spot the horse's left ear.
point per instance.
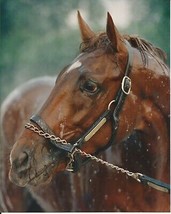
(113, 34)
(86, 32)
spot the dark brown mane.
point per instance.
(101, 41)
(145, 46)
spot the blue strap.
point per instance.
(156, 184)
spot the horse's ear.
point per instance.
(113, 34)
(86, 32)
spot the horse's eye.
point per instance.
(89, 86)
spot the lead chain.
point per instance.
(92, 157)
(44, 134)
(117, 168)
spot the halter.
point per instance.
(70, 148)
(107, 115)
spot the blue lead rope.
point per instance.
(156, 184)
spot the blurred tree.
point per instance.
(153, 23)
(36, 39)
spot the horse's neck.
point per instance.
(153, 85)
(150, 109)
(153, 82)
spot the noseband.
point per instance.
(123, 91)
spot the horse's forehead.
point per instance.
(74, 65)
(82, 59)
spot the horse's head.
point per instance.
(82, 94)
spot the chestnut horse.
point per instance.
(15, 111)
(111, 101)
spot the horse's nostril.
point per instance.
(22, 162)
(23, 158)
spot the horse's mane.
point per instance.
(145, 46)
(101, 41)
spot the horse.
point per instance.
(16, 107)
(100, 142)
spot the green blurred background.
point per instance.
(39, 37)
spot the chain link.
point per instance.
(45, 134)
(117, 168)
(92, 157)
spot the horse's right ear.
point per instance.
(86, 32)
(113, 34)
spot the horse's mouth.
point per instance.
(33, 176)
(30, 176)
(41, 177)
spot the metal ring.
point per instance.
(126, 80)
(111, 102)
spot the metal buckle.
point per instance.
(70, 166)
(126, 85)
(111, 102)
